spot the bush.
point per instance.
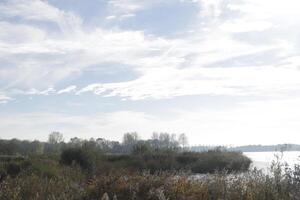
(45, 168)
(211, 161)
(13, 169)
(84, 158)
(205, 162)
(3, 174)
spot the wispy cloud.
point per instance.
(69, 89)
(36, 10)
(168, 67)
(4, 98)
(34, 91)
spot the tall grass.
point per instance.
(38, 182)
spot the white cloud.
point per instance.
(125, 16)
(167, 67)
(163, 83)
(4, 98)
(128, 6)
(34, 91)
(37, 10)
(210, 8)
(69, 89)
(122, 9)
(111, 17)
(30, 62)
(268, 8)
(242, 26)
(18, 34)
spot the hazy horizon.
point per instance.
(220, 71)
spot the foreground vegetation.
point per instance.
(39, 178)
(157, 169)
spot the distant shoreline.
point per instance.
(250, 148)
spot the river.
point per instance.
(263, 160)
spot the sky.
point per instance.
(224, 72)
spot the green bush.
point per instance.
(211, 161)
(45, 168)
(205, 162)
(13, 169)
(84, 158)
(3, 174)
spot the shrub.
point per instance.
(84, 158)
(211, 161)
(205, 162)
(3, 174)
(45, 168)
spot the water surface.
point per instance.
(263, 160)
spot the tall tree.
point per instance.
(183, 140)
(130, 138)
(55, 137)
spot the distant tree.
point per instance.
(183, 140)
(55, 137)
(90, 144)
(75, 142)
(103, 144)
(12, 147)
(141, 148)
(173, 141)
(165, 140)
(155, 136)
(37, 147)
(130, 138)
(115, 147)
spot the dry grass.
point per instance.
(44, 178)
(73, 184)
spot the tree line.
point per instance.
(131, 142)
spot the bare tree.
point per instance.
(183, 140)
(55, 137)
(155, 136)
(130, 138)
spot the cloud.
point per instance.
(121, 9)
(37, 10)
(242, 26)
(191, 64)
(18, 34)
(30, 63)
(110, 17)
(210, 9)
(169, 83)
(69, 89)
(34, 91)
(129, 6)
(4, 98)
